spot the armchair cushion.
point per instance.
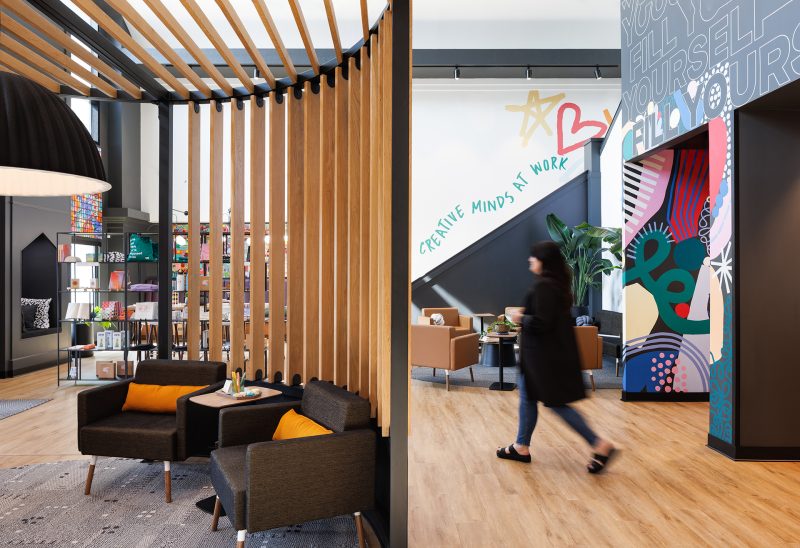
(155, 398)
(143, 435)
(170, 372)
(251, 423)
(293, 425)
(334, 407)
(230, 482)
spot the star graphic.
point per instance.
(533, 108)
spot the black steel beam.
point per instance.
(164, 230)
(401, 275)
(69, 20)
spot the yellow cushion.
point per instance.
(293, 425)
(154, 398)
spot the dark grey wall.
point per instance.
(742, 49)
(768, 231)
(493, 272)
(29, 217)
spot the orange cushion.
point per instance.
(293, 425)
(154, 398)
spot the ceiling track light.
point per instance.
(529, 73)
(597, 74)
(457, 73)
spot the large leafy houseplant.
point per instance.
(583, 247)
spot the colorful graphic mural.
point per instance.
(667, 273)
(86, 213)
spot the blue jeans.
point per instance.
(529, 414)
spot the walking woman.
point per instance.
(550, 368)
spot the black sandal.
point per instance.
(600, 462)
(511, 454)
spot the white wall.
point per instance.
(611, 208)
(149, 156)
(467, 147)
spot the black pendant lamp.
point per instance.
(45, 149)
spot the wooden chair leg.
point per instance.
(90, 476)
(215, 515)
(447, 380)
(591, 378)
(471, 375)
(360, 530)
(616, 367)
(240, 536)
(167, 482)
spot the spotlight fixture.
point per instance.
(597, 74)
(457, 73)
(45, 149)
(529, 73)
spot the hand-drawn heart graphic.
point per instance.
(577, 126)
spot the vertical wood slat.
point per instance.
(354, 324)
(237, 236)
(296, 239)
(193, 266)
(277, 245)
(255, 369)
(215, 236)
(311, 264)
(364, 305)
(341, 223)
(374, 197)
(386, 257)
(326, 223)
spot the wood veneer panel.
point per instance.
(305, 35)
(296, 237)
(41, 64)
(354, 325)
(256, 366)
(327, 235)
(193, 335)
(366, 148)
(341, 225)
(384, 389)
(374, 220)
(277, 245)
(311, 265)
(277, 41)
(215, 235)
(237, 236)
(24, 69)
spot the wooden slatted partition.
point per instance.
(277, 245)
(237, 236)
(374, 195)
(296, 239)
(386, 223)
(341, 224)
(193, 275)
(353, 324)
(215, 235)
(311, 263)
(366, 148)
(326, 223)
(256, 365)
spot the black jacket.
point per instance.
(549, 358)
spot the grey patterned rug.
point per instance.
(9, 408)
(44, 504)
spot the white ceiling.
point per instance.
(437, 23)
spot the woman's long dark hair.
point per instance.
(554, 267)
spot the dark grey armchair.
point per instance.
(104, 430)
(263, 484)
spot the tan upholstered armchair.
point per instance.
(462, 324)
(444, 346)
(590, 349)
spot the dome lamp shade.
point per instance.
(45, 150)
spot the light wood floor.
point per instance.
(667, 487)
